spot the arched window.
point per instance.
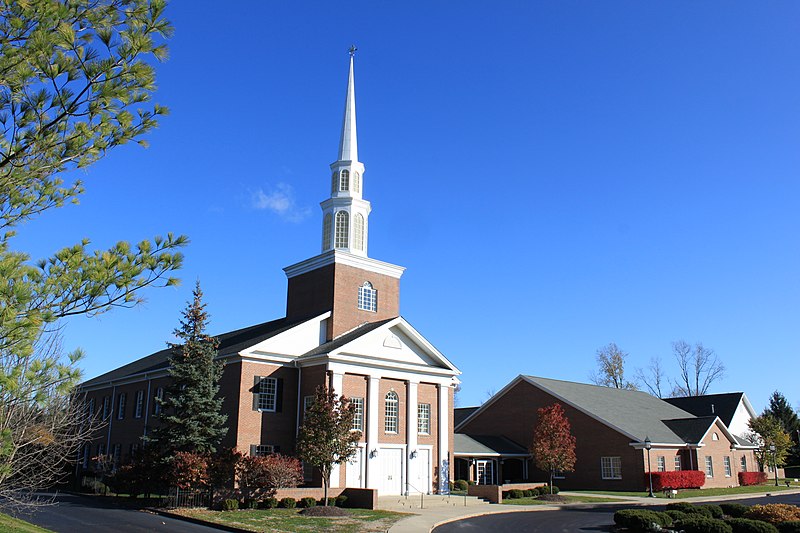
(356, 182)
(392, 408)
(358, 231)
(326, 233)
(334, 182)
(344, 182)
(367, 297)
(342, 229)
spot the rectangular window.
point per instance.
(726, 461)
(358, 420)
(424, 418)
(262, 450)
(91, 407)
(662, 463)
(101, 450)
(367, 298)
(117, 452)
(709, 466)
(156, 401)
(308, 471)
(132, 450)
(267, 394)
(307, 401)
(611, 467)
(121, 405)
(139, 404)
(678, 463)
(106, 407)
(558, 474)
(87, 451)
(743, 463)
(392, 410)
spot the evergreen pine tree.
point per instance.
(191, 417)
(780, 409)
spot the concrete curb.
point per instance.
(199, 522)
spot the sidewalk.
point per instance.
(426, 519)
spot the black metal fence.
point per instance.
(188, 498)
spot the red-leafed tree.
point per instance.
(553, 446)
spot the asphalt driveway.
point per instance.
(71, 513)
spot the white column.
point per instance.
(337, 384)
(411, 437)
(373, 408)
(444, 432)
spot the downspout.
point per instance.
(299, 406)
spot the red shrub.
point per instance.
(189, 470)
(681, 479)
(260, 477)
(752, 478)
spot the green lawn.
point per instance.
(14, 525)
(697, 493)
(290, 520)
(570, 499)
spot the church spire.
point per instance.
(345, 213)
(348, 143)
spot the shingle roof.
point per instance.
(343, 339)
(488, 445)
(721, 405)
(634, 413)
(230, 342)
(461, 413)
(691, 429)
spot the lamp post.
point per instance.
(774, 462)
(647, 445)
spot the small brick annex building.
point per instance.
(610, 427)
(342, 329)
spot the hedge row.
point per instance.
(680, 479)
(752, 478)
(688, 518)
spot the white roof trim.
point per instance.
(343, 258)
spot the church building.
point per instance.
(343, 330)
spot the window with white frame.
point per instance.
(342, 229)
(743, 463)
(558, 474)
(262, 450)
(358, 232)
(662, 463)
(392, 410)
(134, 448)
(356, 182)
(139, 404)
(106, 407)
(726, 462)
(121, 405)
(358, 419)
(91, 407)
(678, 463)
(267, 394)
(117, 452)
(326, 232)
(611, 467)
(307, 401)
(709, 466)
(308, 471)
(87, 452)
(367, 297)
(424, 418)
(344, 182)
(157, 400)
(334, 182)
(714, 436)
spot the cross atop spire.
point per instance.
(348, 143)
(352, 50)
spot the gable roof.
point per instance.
(486, 445)
(462, 413)
(347, 337)
(721, 405)
(230, 343)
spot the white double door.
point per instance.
(421, 472)
(390, 471)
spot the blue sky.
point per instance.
(554, 175)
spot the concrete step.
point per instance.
(427, 501)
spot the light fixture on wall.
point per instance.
(374, 453)
(414, 454)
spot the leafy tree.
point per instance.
(780, 409)
(553, 446)
(611, 368)
(326, 437)
(698, 368)
(75, 82)
(261, 477)
(191, 417)
(766, 431)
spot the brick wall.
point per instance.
(346, 314)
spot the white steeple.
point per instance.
(345, 213)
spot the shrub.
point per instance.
(715, 510)
(230, 504)
(288, 503)
(250, 503)
(189, 470)
(774, 513)
(684, 507)
(792, 526)
(752, 478)
(680, 479)
(269, 503)
(506, 494)
(470, 482)
(308, 501)
(515, 493)
(745, 525)
(341, 500)
(702, 524)
(460, 484)
(676, 515)
(331, 501)
(556, 490)
(734, 510)
(641, 519)
(261, 476)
